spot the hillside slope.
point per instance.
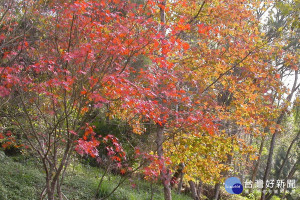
(22, 179)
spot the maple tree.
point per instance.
(77, 63)
(236, 81)
(200, 72)
(221, 85)
(199, 77)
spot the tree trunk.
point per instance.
(58, 189)
(53, 174)
(50, 194)
(164, 172)
(49, 191)
(272, 145)
(269, 163)
(167, 192)
(193, 190)
(180, 183)
(287, 154)
(199, 192)
(294, 169)
(283, 163)
(291, 174)
(255, 170)
(217, 191)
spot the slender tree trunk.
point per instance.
(199, 189)
(43, 193)
(269, 163)
(283, 163)
(291, 174)
(255, 170)
(102, 177)
(287, 154)
(164, 172)
(294, 169)
(243, 168)
(180, 183)
(272, 145)
(193, 190)
(167, 192)
(58, 189)
(50, 194)
(49, 191)
(217, 191)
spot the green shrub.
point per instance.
(275, 198)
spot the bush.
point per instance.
(275, 198)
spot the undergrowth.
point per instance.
(21, 178)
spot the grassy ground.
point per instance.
(22, 179)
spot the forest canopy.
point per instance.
(183, 93)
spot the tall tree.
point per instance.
(282, 30)
(78, 63)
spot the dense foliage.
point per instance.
(178, 92)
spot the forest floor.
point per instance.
(21, 178)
